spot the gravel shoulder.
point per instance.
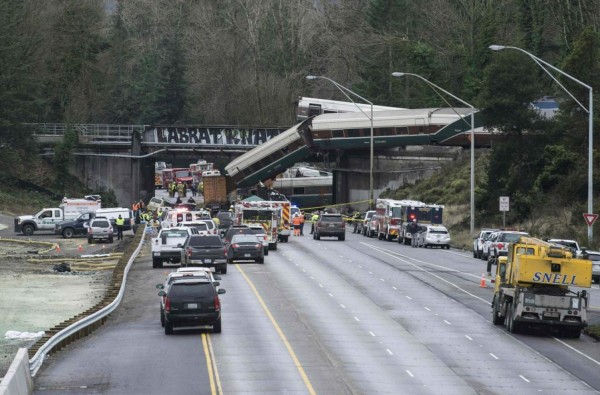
(36, 297)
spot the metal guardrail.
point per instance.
(80, 328)
(88, 133)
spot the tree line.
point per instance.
(244, 62)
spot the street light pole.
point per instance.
(472, 190)
(345, 91)
(589, 110)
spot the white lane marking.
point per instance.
(342, 306)
(297, 264)
(493, 356)
(304, 270)
(321, 285)
(312, 278)
(382, 279)
(577, 351)
(427, 308)
(447, 322)
(357, 319)
(410, 373)
(341, 256)
(360, 266)
(371, 333)
(394, 288)
(402, 258)
(524, 378)
(370, 272)
(330, 294)
(408, 297)
(389, 351)
(350, 260)
(469, 337)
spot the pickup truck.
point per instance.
(205, 251)
(167, 246)
(78, 226)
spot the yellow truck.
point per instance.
(539, 284)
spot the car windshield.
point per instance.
(370, 214)
(244, 239)
(204, 241)
(200, 226)
(191, 290)
(511, 237)
(331, 218)
(175, 233)
(183, 275)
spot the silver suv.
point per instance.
(499, 246)
(100, 229)
(479, 241)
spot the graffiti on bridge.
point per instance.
(213, 136)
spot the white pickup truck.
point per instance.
(47, 218)
(166, 247)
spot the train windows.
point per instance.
(336, 134)
(314, 109)
(298, 191)
(354, 133)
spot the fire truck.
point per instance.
(176, 174)
(196, 169)
(269, 215)
(424, 214)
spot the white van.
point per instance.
(173, 217)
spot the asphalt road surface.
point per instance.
(362, 316)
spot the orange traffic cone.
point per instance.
(79, 248)
(57, 248)
(482, 282)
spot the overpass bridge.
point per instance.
(121, 157)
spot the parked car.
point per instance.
(259, 231)
(191, 301)
(594, 256)
(200, 226)
(330, 225)
(205, 251)
(434, 236)
(479, 240)
(362, 225)
(571, 244)
(499, 247)
(486, 244)
(100, 229)
(245, 247)
(78, 226)
(184, 273)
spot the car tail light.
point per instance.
(167, 304)
(500, 245)
(225, 251)
(217, 303)
(89, 231)
(343, 225)
(189, 252)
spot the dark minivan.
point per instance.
(192, 301)
(330, 225)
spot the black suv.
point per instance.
(192, 301)
(205, 251)
(225, 220)
(330, 225)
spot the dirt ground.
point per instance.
(36, 297)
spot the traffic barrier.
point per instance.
(482, 282)
(18, 380)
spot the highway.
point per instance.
(361, 316)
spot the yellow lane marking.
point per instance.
(288, 346)
(209, 364)
(214, 362)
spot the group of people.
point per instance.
(179, 188)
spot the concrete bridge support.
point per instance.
(391, 170)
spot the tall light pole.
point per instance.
(589, 110)
(345, 91)
(434, 86)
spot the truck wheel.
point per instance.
(342, 238)
(497, 319)
(223, 269)
(275, 247)
(513, 325)
(90, 240)
(260, 260)
(28, 230)
(68, 233)
(317, 236)
(110, 240)
(474, 254)
(266, 251)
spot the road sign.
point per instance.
(504, 203)
(590, 218)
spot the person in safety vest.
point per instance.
(120, 222)
(301, 216)
(313, 219)
(296, 223)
